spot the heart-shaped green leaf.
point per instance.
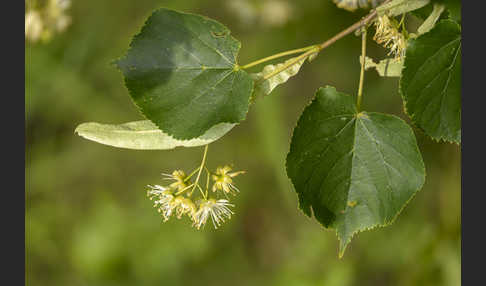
(144, 135)
(354, 171)
(181, 71)
(431, 81)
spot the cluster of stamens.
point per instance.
(389, 36)
(183, 197)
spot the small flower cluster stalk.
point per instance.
(180, 198)
(389, 35)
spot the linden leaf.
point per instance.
(423, 12)
(181, 71)
(388, 67)
(354, 171)
(265, 87)
(430, 21)
(431, 81)
(144, 135)
(352, 5)
(398, 7)
(454, 8)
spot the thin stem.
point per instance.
(326, 44)
(361, 23)
(402, 21)
(279, 55)
(291, 63)
(361, 75)
(183, 190)
(317, 48)
(191, 174)
(202, 192)
(208, 174)
(200, 169)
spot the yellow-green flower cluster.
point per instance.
(44, 18)
(223, 180)
(180, 197)
(388, 35)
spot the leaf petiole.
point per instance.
(361, 75)
(276, 56)
(316, 48)
(292, 62)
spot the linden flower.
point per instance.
(389, 37)
(218, 210)
(184, 206)
(165, 203)
(179, 177)
(33, 26)
(155, 191)
(222, 180)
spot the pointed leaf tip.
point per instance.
(180, 71)
(356, 171)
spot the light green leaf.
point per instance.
(144, 135)
(431, 81)
(352, 5)
(353, 171)
(181, 71)
(454, 8)
(265, 87)
(387, 67)
(423, 12)
(429, 23)
(398, 7)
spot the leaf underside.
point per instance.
(387, 68)
(354, 171)
(398, 7)
(181, 71)
(265, 87)
(430, 21)
(144, 135)
(431, 81)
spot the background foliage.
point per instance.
(88, 221)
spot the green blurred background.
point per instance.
(88, 220)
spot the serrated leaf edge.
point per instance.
(412, 118)
(236, 69)
(378, 225)
(312, 217)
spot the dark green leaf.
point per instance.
(354, 171)
(181, 71)
(431, 81)
(144, 135)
